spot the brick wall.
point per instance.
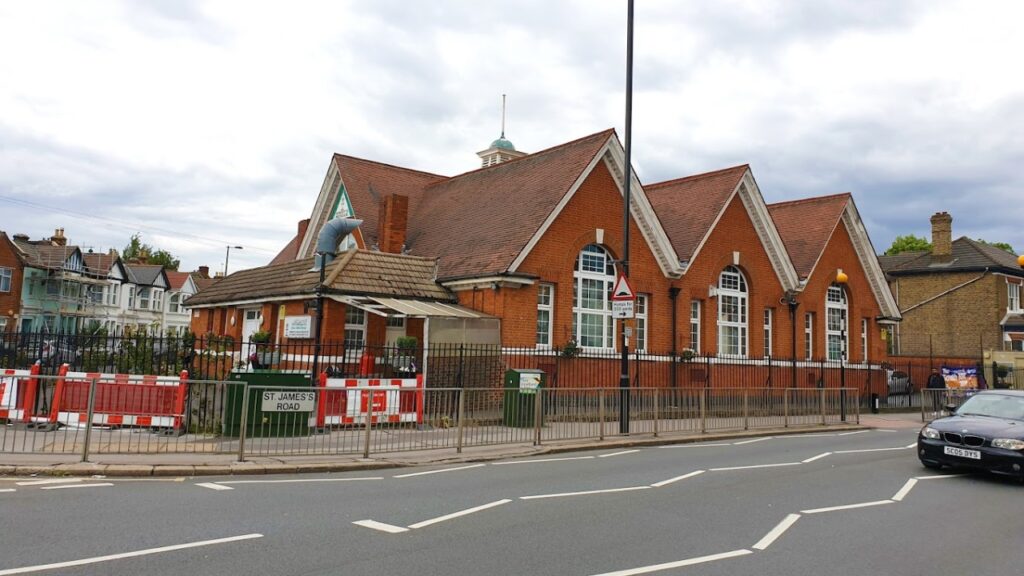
(961, 323)
(10, 302)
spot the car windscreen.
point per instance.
(994, 405)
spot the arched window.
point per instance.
(732, 312)
(836, 310)
(593, 280)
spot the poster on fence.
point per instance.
(8, 391)
(960, 378)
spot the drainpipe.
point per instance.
(789, 299)
(673, 293)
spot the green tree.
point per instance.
(1000, 245)
(139, 251)
(908, 243)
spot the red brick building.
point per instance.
(535, 240)
(11, 271)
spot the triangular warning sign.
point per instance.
(622, 290)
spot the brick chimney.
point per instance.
(394, 217)
(21, 237)
(942, 236)
(303, 226)
(204, 271)
(58, 238)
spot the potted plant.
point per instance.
(266, 356)
(405, 357)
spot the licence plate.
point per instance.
(954, 451)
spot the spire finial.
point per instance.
(502, 115)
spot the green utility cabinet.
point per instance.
(522, 392)
(288, 414)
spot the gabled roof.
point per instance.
(355, 272)
(477, 223)
(806, 226)
(44, 255)
(176, 280)
(146, 274)
(689, 207)
(967, 255)
(99, 264)
(366, 184)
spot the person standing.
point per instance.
(935, 383)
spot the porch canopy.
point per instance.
(444, 323)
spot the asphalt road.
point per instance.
(831, 504)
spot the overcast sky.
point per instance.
(207, 123)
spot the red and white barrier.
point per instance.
(121, 399)
(18, 393)
(383, 400)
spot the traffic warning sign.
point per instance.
(622, 290)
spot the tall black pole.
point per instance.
(319, 318)
(624, 373)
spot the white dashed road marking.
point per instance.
(865, 450)
(300, 480)
(676, 479)
(438, 471)
(618, 453)
(585, 493)
(62, 486)
(214, 486)
(774, 534)
(679, 564)
(813, 458)
(756, 466)
(8, 489)
(852, 433)
(751, 441)
(374, 525)
(694, 446)
(847, 507)
(458, 514)
(905, 490)
(146, 552)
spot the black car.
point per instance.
(986, 432)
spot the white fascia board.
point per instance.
(643, 213)
(557, 210)
(869, 261)
(640, 209)
(318, 208)
(764, 226)
(251, 301)
(486, 281)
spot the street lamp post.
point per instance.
(624, 361)
(319, 317)
(227, 255)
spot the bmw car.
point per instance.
(986, 433)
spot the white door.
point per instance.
(251, 323)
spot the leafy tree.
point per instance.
(137, 250)
(1000, 245)
(908, 243)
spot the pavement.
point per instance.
(189, 465)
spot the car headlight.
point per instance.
(1008, 443)
(930, 433)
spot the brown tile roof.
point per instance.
(688, 207)
(98, 264)
(176, 279)
(806, 225)
(967, 255)
(356, 272)
(478, 222)
(43, 254)
(202, 283)
(367, 183)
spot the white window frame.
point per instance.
(131, 297)
(733, 292)
(695, 326)
(837, 324)
(545, 314)
(769, 321)
(174, 303)
(115, 291)
(603, 282)
(865, 325)
(6, 278)
(641, 315)
(1012, 297)
(809, 336)
(145, 297)
(158, 299)
(355, 330)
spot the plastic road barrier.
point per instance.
(15, 384)
(121, 399)
(388, 400)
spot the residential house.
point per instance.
(181, 286)
(55, 288)
(960, 299)
(107, 299)
(11, 270)
(143, 303)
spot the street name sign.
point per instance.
(287, 401)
